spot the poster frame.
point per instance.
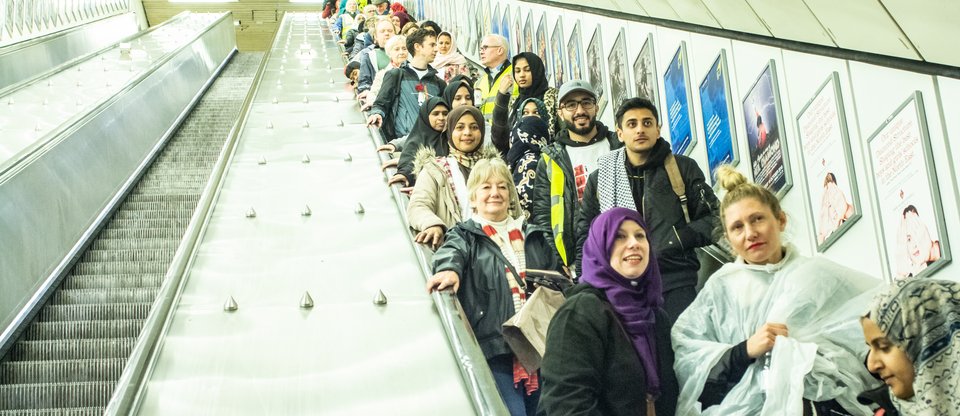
(832, 80)
(595, 58)
(681, 56)
(619, 48)
(932, 184)
(721, 61)
(771, 67)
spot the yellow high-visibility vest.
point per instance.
(487, 92)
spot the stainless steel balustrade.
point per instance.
(56, 197)
(23, 61)
(284, 222)
(35, 113)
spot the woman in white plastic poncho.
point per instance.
(774, 333)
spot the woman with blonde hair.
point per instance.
(772, 333)
(396, 49)
(484, 260)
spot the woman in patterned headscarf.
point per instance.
(526, 139)
(913, 330)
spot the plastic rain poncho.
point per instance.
(823, 358)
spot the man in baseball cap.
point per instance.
(569, 159)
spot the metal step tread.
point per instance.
(72, 349)
(59, 371)
(94, 312)
(50, 395)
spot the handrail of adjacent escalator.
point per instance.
(35, 150)
(131, 380)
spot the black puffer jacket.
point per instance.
(673, 239)
(541, 201)
(484, 293)
(590, 366)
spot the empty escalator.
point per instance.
(68, 360)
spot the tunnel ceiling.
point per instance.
(914, 29)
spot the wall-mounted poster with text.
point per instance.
(596, 71)
(645, 74)
(676, 85)
(619, 76)
(828, 164)
(574, 54)
(717, 109)
(542, 48)
(908, 202)
(768, 147)
(557, 65)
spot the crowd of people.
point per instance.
(614, 210)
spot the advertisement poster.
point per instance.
(557, 53)
(909, 208)
(505, 27)
(617, 60)
(645, 73)
(528, 33)
(676, 85)
(828, 164)
(495, 22)
(574, 54)
(517, 33)
(768, 148)
(471, 29)
(483, 21)
(595, 64)
(716, 109)
(542, 47)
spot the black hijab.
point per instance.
(539, 72)
(422, 135)
(454, 85)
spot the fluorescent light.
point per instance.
(202, 1)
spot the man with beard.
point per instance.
(564, 166)
(637, 177)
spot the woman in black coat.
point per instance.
(608, 348)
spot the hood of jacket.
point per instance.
(603, 133)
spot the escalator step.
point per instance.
(76, 411)
(145, 244)
(86, 312)
(163, 198)
(152, 214)
(128, 255)
(47, 395)
(113, 281)
(170, 206)
(133, 233)
(34, 372)
(84, 330)
(120, 267)
(72, 349)
(103, 295)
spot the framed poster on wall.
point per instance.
(495, 21)
(619, 78)
(505, 27)
(717, 110)
(557, 54)
(676, 85)
(763, 122)
(905, 181)
(517, 33)
(596, 70)
(828, 164)
(645, 73)
(543, 47)
(528, 45)
(483, 21)
(574, 54)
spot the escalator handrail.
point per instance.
(127, 392)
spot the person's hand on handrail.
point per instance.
(375, 120)
(389, 147)
(392, 163)
(398, 179)
(433, 236)
(443, 280)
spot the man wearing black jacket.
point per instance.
(636, 178)
(564, 165)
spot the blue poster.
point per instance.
(678, 102)
(715, 106)
(761, 112)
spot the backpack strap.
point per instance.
(676, 181)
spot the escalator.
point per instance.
(68, 360)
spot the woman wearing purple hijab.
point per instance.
(608, 348)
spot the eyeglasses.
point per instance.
(588, 104)
(485, 47)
